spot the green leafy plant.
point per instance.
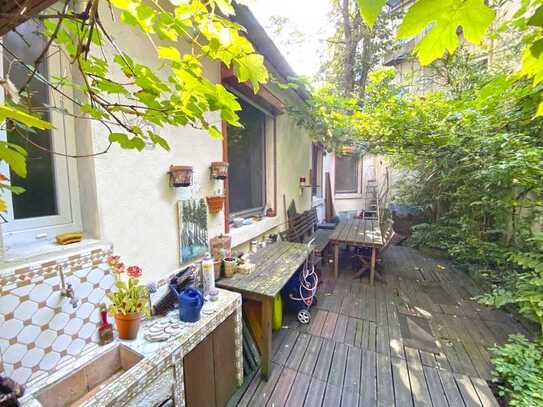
(130, 98)
(129, 295)
(519, 371)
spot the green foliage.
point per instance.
(439, 20)
(187, 94)
(519, 371)
(370, 10)
(128, 297)
(131, 99)
(526, 289)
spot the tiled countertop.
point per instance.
(157, 357)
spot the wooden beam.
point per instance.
(13, 13)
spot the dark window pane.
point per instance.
(39, 199)
(246, 157)
(346, 174)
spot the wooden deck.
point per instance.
(417, 340)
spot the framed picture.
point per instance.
(193, 236)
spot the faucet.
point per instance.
(67, 290)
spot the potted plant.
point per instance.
(129, 300)
(215, 203)
(180, 176)
(230, 265)
(219, 169)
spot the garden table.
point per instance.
(275, 265)
(357, 233)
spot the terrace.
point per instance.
(416, 339)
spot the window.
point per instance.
(316, 170)
(49, 205)
(346, 174)
(246, 155)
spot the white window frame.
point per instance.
(317, 172)
(23, 232)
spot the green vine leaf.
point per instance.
(441, 19)
(13, 113)
(370, 10)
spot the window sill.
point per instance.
(246, 233)
(348, 195)
(43, 252)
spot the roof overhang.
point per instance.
(265, 46)
(13, 13)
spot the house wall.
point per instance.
(371, 167)
(126, 197)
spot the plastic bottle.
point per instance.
(208, 275)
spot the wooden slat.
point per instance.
(315, 394)
(337, 368)
(281, 356)
(437, 393)
(421, 395)
(299, 389)
(311, 355)
(282, 388)
(469, 394)
(484, 392)
(298, 352)
(385, 387)
(368, 385)
(402, 387)
(451, 389)
(332, 395)
(322, 368)
(275, 264)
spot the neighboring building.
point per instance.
(421, 79)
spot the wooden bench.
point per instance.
(303, 228)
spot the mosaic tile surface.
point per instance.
(40, 331)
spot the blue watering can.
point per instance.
(191, 301)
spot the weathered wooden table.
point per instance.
(275, 264)
(357, 233)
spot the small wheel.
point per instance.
(304, 316)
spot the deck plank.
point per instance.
(368, 385)
(299, 389)
(385, 387)
(315, 393)
(298, 351)
(322, 368)
(402, 387)
(311, 355)
(282, 388)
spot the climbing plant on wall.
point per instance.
(123, 93)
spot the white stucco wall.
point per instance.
(372, 166)
(126, 197)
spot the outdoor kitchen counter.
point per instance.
(162, 362)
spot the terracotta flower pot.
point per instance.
(219, 169)
(128, 324)
(214, 203)
(180, 175)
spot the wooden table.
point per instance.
(357, 233)
(275, 264)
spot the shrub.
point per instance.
(519, 371)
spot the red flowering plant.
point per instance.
(130, 296)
